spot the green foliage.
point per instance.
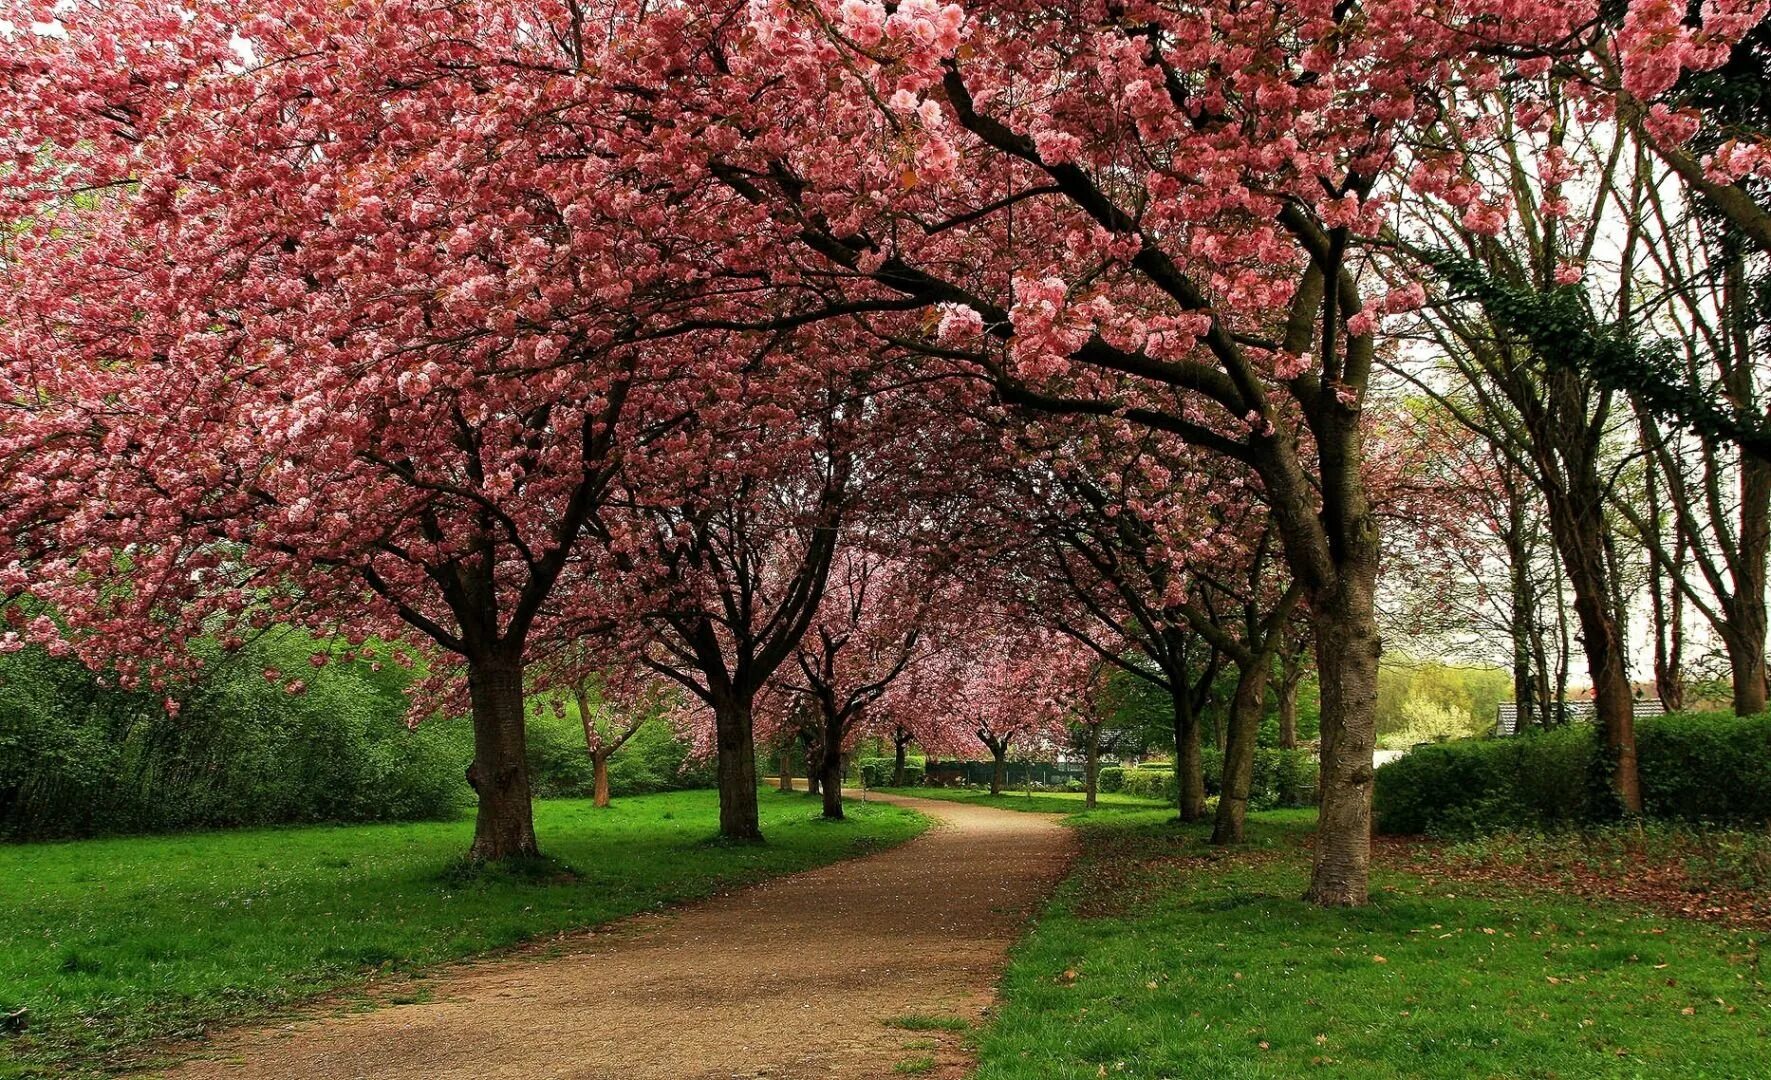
(1281, 778)
(1189, 962)
(113, 943)
(1694, 767)
(1110, 779)
(80, 758)
(1420, 701)
(1156, 785)
(1559, 326)
(654, 759)
(877, 772)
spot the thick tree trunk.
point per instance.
(999, 771)
(599, 764)
(1347, 649)
(1583, 554)
(785, 780)
(1189, 766)
(1746, 657)
(1748, 617)
(1244, 728)
(736, 763)
(833, 768)
(504, 827)
(898, 748)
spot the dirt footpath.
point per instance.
(794, 979)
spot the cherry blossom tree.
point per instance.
(319, 316)
(872, 625)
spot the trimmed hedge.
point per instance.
(1110, 779)
(1705, 767)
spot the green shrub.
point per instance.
(878, 772)
(1155, 784)
(79, 757)
(1281, 778)
(654, 759)
(1694, 767)
(1110, 779)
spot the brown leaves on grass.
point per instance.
(1660, 884)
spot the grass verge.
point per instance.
(112, 944)
(1160, 957)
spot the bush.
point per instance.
(1694, 767)
(79, 757)
(877, 772)
(1155, 784)
(1111, 778)
(1281, 778)
(653, 760)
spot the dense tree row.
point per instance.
(844, 364)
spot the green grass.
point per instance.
(1040, 802)
(1161, 958)
(915, 1066)
(113, 943)
(928, 1022)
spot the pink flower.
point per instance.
(864, 20)
(959, 323)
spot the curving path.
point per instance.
(793, 979)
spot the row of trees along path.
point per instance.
(500, 327)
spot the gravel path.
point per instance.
(794, 979)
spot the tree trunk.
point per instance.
(504, 827)
(1583, 555)
(736, 764)
(833, 768)
(1748, 618)
(785, 780)
(1347, 649)
(599, 763)
(1091, 766)
(1522, 613)
(999, 772)
(814, 754)
(1288, 713)
(1189, 767)
(1746, 658)
(1244, 728)
(898, 748)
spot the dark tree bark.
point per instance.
(900, 744)
(785, 780)
(736, 747)
(832, 766)
(1189, 765)
(999, 759)
(504, 826)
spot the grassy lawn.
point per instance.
(111, 943)
(1040, 802)
(1161, 958)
